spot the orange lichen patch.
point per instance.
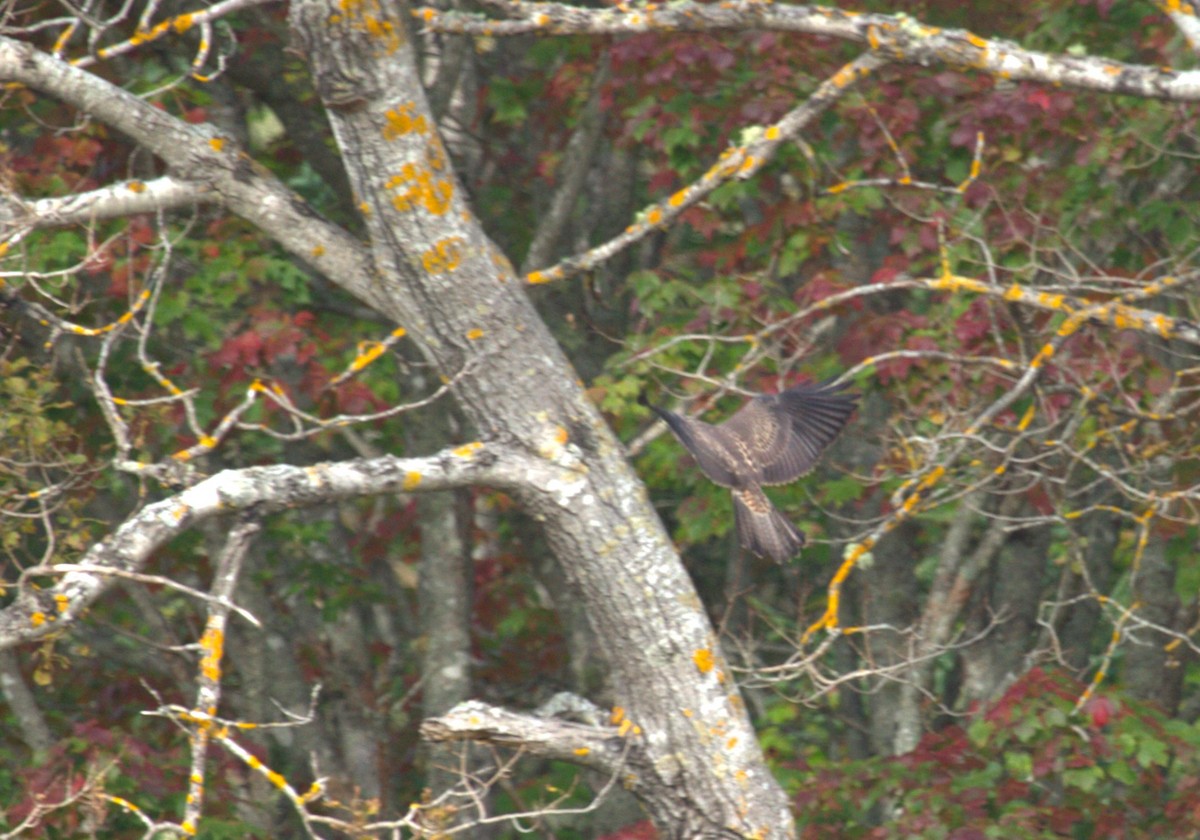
(37, 619)
(844, 77)
(773, 132)
(975, 41)
(1123, 319)
(1026, 419)
(213, 645)
(561, 435)
(411, 480)
(582, 751)
(468, 449)
(475, 334)
(136, 186)
(61, 602)
(318, 251)
(417, 186)
(1040, 359)
(217, 143)
(445, 256)
(383, 32)
(368, 351)
(404, 120)
(677, 199)
(704, 659)
(535, 277)
(654, 216)
(617, 715)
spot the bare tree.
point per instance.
(679, 736)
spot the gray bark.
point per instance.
(1008, 596)
(444, 609)
(1150, 671)
(438, 275)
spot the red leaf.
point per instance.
(1101, 710)
(1038, 97)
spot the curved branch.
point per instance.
(598, 747)
(126, 198)
(212, 162)
(39, 612)
(738, 162)
(897, 38)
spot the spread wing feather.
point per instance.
(710, 445)
(787, 432)
(773, 439)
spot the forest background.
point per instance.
(322, 328)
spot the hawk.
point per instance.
(772, 439)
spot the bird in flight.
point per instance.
(772, 439)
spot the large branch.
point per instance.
(739, 161)
(207, 162)
(126, 198)
(38, 612)
(706, 774)
(894, 37)
(599, 747)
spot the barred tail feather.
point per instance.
(762, 529)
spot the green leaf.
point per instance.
(841, 490)
(1019, 765)
(980, 732)
(1083, 778)
(1151, 752)
(1123, 773)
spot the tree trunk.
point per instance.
(700, 769)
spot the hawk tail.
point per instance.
(762, 529)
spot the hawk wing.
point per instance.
(783, 434)
(714, 449)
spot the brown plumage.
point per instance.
(773, 439)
